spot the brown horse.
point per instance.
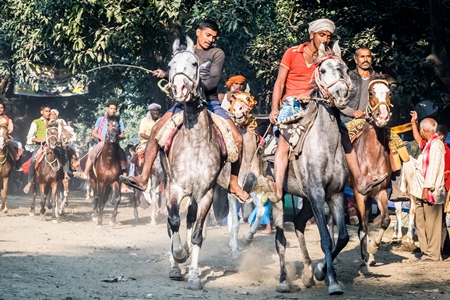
(373, 151)
(49, 174)
(6, 163)
(104, 176)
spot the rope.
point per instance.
(121, 65)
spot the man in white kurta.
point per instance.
(429, 215)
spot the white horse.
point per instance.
(406, 177)
(251, 168)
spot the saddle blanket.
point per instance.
(399, 153)
(168, 131)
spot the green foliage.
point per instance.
(83, 34)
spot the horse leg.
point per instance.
(102, 197)
(325, 242)
(300, 224)
(412, 214)
(382, 199)
(280, 245)
(136, 203)
(54, 199)
(191, 218)
(233, 226)
(199, 235)
(43, 200)
(177, 254)
(363, 231)
(4, 193)
(154, 205)
(33, 204)
(260, 210)
(398, 221)
(113, 190)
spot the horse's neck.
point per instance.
(111, 148)
(194, 114)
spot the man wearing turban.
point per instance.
(235, 84)
(294, 79)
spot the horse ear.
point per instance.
(176, 45)
(322, 50)
(190, 44)
(247, 89)
(337, 49)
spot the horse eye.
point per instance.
(195, 64)
(323, 71)
(370, 93)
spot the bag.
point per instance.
(447, 204)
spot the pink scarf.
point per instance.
(102, 124)
(426, 162)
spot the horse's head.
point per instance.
(3, 136)
(112, 129)
(331, 76)
(379, 102)
(241, 105)
(184, 71)
(52, 135)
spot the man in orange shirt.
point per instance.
(294, 79)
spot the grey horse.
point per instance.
(192, 164)
(319, 175)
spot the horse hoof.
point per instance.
(372, 247)
(55, 221)
(31, 214)
(308, 282)
(112, 223)
(5, 211)
(195, 284)
(363, 269)
(319, 272)
(248, 239)
(235, 254)
(95, 219)
(175, 274)
(335, 289)
(153, 223)
(283, 287)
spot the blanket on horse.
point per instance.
(169, 130)
(295, 128)
(398, 153)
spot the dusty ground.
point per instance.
(75, 260)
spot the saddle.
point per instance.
(294, 129)
(398, 151)
(169, 130)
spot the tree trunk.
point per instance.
(438, 59)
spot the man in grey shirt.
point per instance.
(359, 95)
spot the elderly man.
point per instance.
(294, 81)
(429, 193)
(147, 123)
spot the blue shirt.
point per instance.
(99, 122)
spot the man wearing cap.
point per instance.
(294, 81)
(147, 123)
(99, 132)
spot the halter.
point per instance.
(323, 88)
(370, 109)
(47, 136)
(195, 81)
(50, 163)
(249, 102)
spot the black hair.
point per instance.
(112, 102)
(208, 24)
(442, 130)
(4, 105)
(45, 106)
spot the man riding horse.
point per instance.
(294, 79)
(211, 61)
(14, 146)
(99, 132)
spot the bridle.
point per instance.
(323, 88)
(370, 109)
(49, 136)
(195, 80)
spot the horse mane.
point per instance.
(52, 123)
(114, 118)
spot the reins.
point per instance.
(5, 156)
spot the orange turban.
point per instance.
(232, 79)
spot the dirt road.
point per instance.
(76, 260)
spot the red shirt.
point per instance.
(298, 81)
(447, 167)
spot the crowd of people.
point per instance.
(432, 168)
